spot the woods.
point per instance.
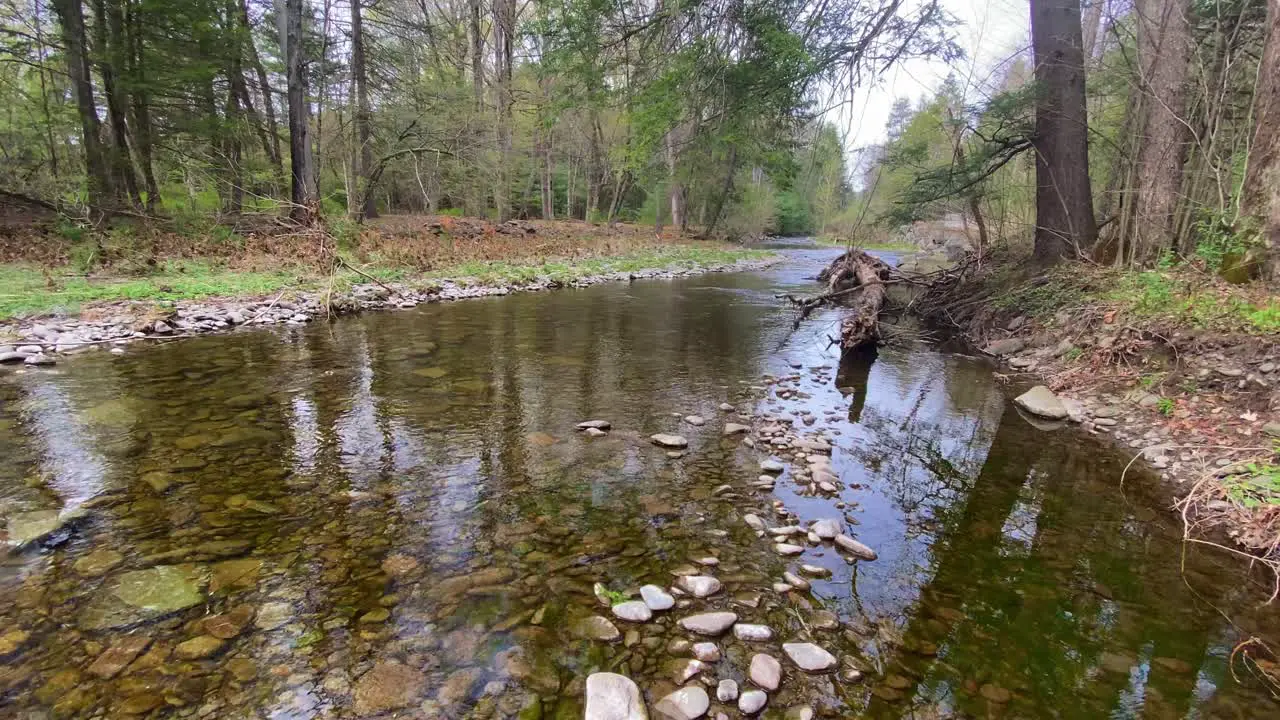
(701, 116)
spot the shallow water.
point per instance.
(405, 492)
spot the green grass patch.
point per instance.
(1158, 294)
(1259, 486)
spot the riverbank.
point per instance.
(400, 263)
(1173, 363)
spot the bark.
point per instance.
(856, 280)
(264, 87)
(111, 50)
(676, 189)
(363, 161)
(504, 12)
(1262, 178)
(303, 193)
(71, 17)
(1164, 55)
(140, 108)
(594, 170)
(1065, 225)
(725, 189)
(232, 149)
(477, 55)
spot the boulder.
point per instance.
(613, 697)
(1041, 402)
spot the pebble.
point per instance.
(700, 585)
(752, 633)
(656, 598)
(695, 420)
(848, 544)
(671, 441)
(787, 549)
(633, 611)
(771, 465)
(727, 690)
(711, 624)
(688, 703)
(765, 671)
(752, 701)
(613, 697)
(809, 657)
(707, 651)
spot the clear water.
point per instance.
(407, 490)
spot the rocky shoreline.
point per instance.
(42, 342)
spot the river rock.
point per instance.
(700, 585)
(735, 429)
(273, 615)
(399, 565)
(827, 529)
(684, 670)
(387, 686)
(706, 652)
(594, 425)
(632, 611)
(684, 704)
(229, 624)
(457, 687)
(143, 595)
(809, 657)
(657, 598)
(752, 633)
(771, 465)
(595, 628)
(753, 521)
(671, 441)
(30, 527)
(198, 648)
(695, 420)
(1007, 346)
(848, 544)
(98, 562)
(787, 549)
(1041, 401)
(118, 656)
(765, 671)
(727, 690)
(752, 701)
(710, 624)
(613, 697)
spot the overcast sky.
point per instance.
(993, 31)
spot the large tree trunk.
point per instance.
(303, 193)
(112, 51)
(71, 18)
(477, 53)
(363, 159)
(856, 280)
(1065, 225)
(1262, 179)
(1164, 54)
(140, 108)
(264, 86)
(504, 33)
(725, 189)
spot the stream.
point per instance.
(393, 515)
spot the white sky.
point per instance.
(992, 33)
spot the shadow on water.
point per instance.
(394, 512)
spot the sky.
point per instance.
(992, 32)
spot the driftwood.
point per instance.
(855, 280)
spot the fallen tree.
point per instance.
(857, 281)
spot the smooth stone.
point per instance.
(712, 623)
(787, 549)
(735, 429)
(684, 670)
(727, 690)
(795, 581)
(827, 529)
(726, 407)
(29, 527)
(98, 562)
(684, 704)
(752, 633)
(1041, 401)
(752, 701)
(765, 671)
(700, 585)
(388, 686)
(595, 628)
(671, 441)
(753, 521)
(809, 657)
(657, 598)
(118, 656)
(143, 595)
(815, 570)
(593, 432)
(613, 697)
(633, 611)
(198, 648)
(695, 420)
(772, 466)
(594, 425)
(844, 542)
(706, 651)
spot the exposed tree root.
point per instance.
(857, 281)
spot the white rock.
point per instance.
(752, 701)
(700, 585)
(727, 690)
(809, 657)
(632, 611)
(795, 581)
(772, 466)
(690, 668)
(657, 598)
(613, 697)
(765, 671)
(1041, 401)
(706, 651)
(754, 521)
(787, 549)
(684, 704)
(665, 440)
(735, 429)
(826, 528)
(596, 424)
(752, 633)
(695, 420)
(815, 570)
(711, 624)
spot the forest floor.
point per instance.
(61, 270)
(1174, 363)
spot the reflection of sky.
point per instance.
(360, 439)
(74, 468)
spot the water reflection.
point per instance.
(407, 490)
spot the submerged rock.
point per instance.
(752, 701)
(388, 686)
(633, 611)
(735, 429)
(848, 544)
(143, 595)
(31, 527)
(595, 627)
(118, 656)
(613, 697)
(712, 624)
(771, 465)
(671, 441)
(1041, 401)
(657, 598)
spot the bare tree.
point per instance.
(1065, 224)
(366, 207)
(303, 192)
(71, 17)
(1262, 179)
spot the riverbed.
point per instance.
(394, 514)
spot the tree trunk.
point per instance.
(1164, 55)
(363, 161)
(264, 86)
(1262, 178)
(303, 193)
(725, 189)
(140, 101)
(504, 30)
(477, 55)
(71, 17)
(1065, 225)
(676, 188)
(857, 280)
(111, 50)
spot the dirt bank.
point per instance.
(1176, 365)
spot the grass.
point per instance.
(29, 291)
(1259, 486)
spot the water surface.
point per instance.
(406, 490)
